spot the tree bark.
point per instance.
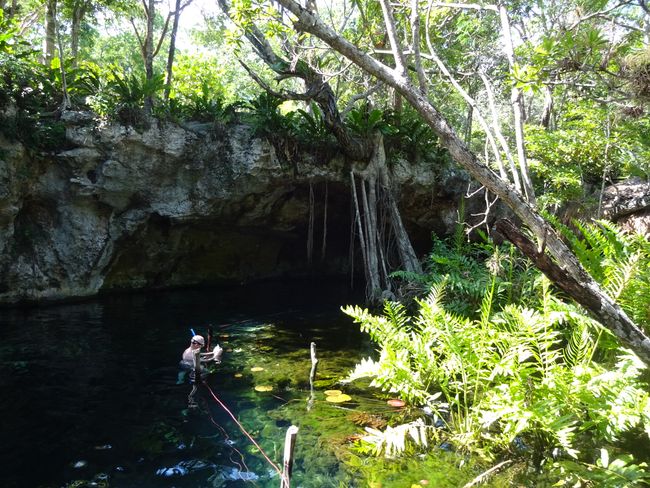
(172, 47)
(599, 304)
(79, 10)
(517, 108)
(147, 51)
(614, 319)
(547, 111)
(49, 46)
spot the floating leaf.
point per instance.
(238, 375)
(263, 388)
(255, 369)
(338, 398)
(396, 402)
(333, 392)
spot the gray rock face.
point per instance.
(628, 204)
(172, 206)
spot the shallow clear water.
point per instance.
(91, 393)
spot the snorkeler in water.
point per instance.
(196, 344)
(192, 360)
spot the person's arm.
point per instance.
(214, 355)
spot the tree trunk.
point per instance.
(49, 46)
(609, 313)
(547, 111)
(594, 300)
(516, 100)
(468, 128)
(408, 258)
(78, 13)
(172, 49)
(147, 53)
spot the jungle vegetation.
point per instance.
(542, 102)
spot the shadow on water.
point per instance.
(91, 395)
(90, 388)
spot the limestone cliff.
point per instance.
(175, 206)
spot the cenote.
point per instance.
(91, 395)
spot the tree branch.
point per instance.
(415, 31)
(592, 299)
(162, 34)
(398, 55)
(609, 313)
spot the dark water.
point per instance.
(90, 390)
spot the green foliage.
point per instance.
(309, 127)
(122, 95)
(204, 105)
(264, 115)
(410, 138)
(11, 42)
(467, 271)
(637, 72)
(364, 121)
(620, 472)
(620, 261)
(577, 152)
(516, 377)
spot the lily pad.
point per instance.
(263, 388)
(255, 369)
(396, 402)
(338, 398)
(332, 392)
(238, 375)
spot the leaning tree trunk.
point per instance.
(599, 304)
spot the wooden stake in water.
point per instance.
(312, 376)
(289, 443)
(314, 363)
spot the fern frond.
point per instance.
(621, 273)
(579, 348)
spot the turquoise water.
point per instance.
(91, 395)
(90, 389)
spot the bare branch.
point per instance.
(485, 214)
(517, 108)
(162, 34)
(498, 133)
(137, 35)
(467, 97)
(601, 13)
(398, 55)
(284, 94)
(360, 96)
(415, 31)
(466, 6)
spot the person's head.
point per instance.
(197, 342)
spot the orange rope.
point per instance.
(241, 427)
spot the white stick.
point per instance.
(289, 443)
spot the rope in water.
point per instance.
(242, 466)
(241, 427)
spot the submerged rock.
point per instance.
(184, 468)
